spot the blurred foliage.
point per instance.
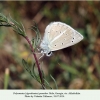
(75, 67)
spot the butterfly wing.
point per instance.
(53, 30)
(60, 35)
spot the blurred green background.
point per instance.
(75, 67)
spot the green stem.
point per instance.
(6, 78)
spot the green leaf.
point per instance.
(69, 69)
(26, 66)
(34, 74)
(46, 83)
(4, 21)
(54, 81)
(18, 27)
(36, 40)
(31, 71)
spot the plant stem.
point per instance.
(37, 63)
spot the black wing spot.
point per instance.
(73, 38)
(62, 43)
(72, 41)
(55, 45)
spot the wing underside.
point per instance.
(61, 36)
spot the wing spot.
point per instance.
(55, 45)
(62, 43)
(73, 38)
(72, 41)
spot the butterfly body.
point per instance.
(57, 36)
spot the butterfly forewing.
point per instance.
(62, 37)
(54, 29)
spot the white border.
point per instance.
(56, 94)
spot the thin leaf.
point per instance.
(54, 81)
(33, 73)
(47, 84)
(37, 39)
(18, 27)
(26, 65)
(69, 69)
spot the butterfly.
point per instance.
(57, 36)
